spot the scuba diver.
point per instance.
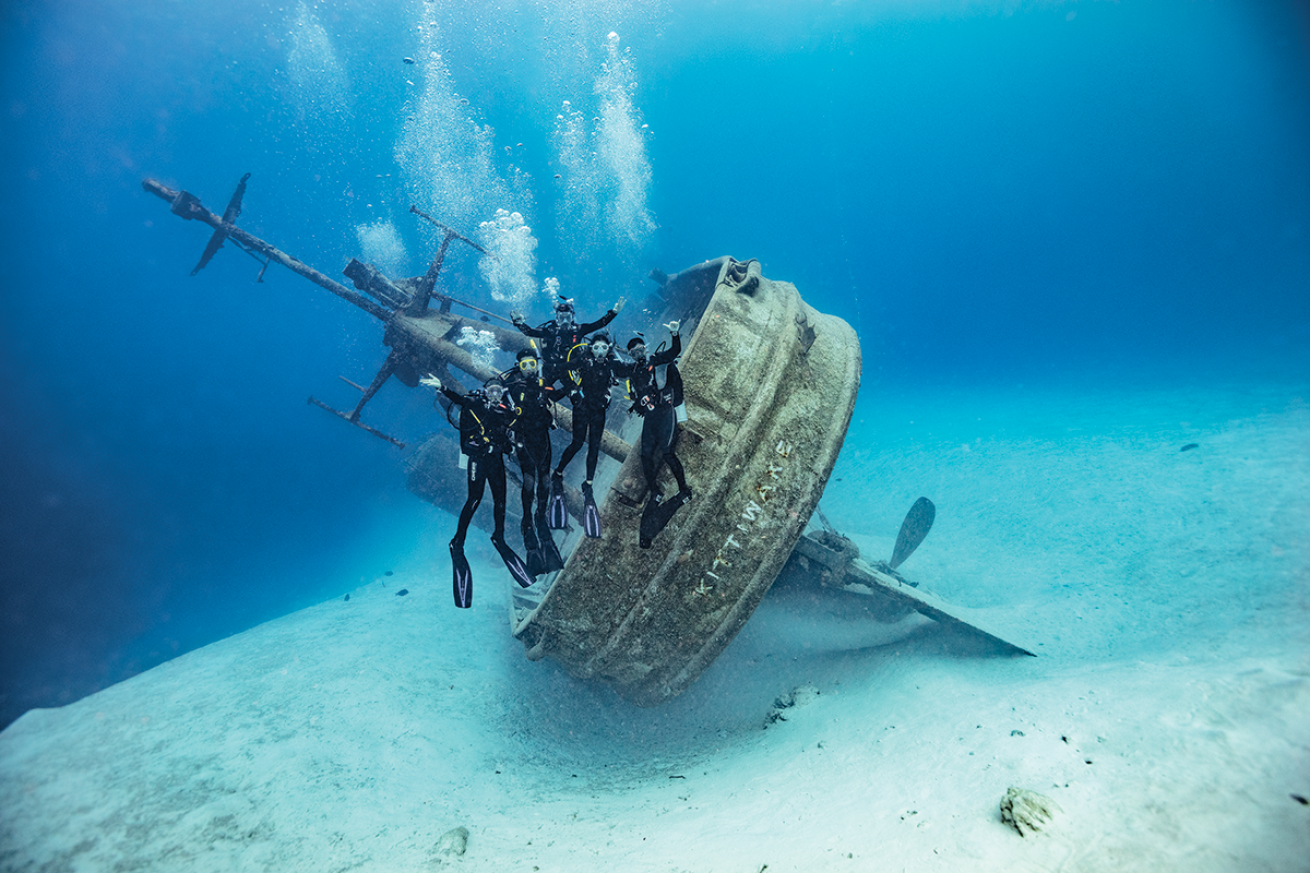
(591, 371)
(560, 336)
(657, 407)
(532, 397)
(485, 419)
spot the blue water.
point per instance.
(1003, 194)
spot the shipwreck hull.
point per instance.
(770, 386)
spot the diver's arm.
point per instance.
(571, 379)
(516, 318)
(671, 353)
(526, 330)
(603, 320)
(433, 381)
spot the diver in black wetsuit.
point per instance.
(591, 371)
(658, 408)
(560, 336)
(485, 419)
(532, 396)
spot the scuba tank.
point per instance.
(671, 393)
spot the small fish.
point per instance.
(388, 573)
(402, 592)
(1189, 447)
(408, 60)
(347, 598)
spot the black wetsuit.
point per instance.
(556, 342)
(532, 398)
(657, 408)
(593, 378)
(484, 436)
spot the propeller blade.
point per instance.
(918, 521)
(230, 215)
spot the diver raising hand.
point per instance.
(591, 372)
(485, 422)
(657, 405)
(561, 335)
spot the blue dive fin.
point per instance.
(590, 514)
(656, 516)
(550, 556)
(559, 513)
(463, 577)
(513, 562)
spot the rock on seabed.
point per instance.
(1027, 811)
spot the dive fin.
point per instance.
(590, 514)
(918, 521)
(532, 551)
(463, 577)
(513, 562)
(550, 556)
(658, 514)
(559, 513)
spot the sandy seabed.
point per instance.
(1166, 592)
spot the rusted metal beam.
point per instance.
(189, 207)
(345, 416)
(850, 573)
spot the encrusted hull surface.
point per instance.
(770, 386)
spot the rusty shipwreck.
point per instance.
(770, 387)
